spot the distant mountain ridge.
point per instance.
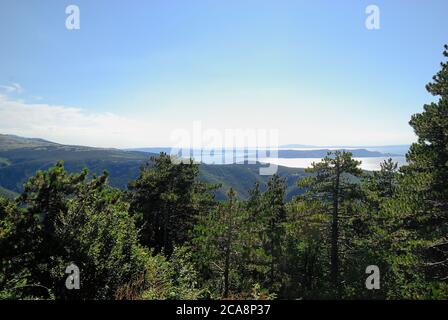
(321, 153)
(20, 158)
(286, 146)
(9, 141)
(281, 153)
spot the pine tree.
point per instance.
(229, 222)
(381, 185)
(420, 210)
(274, 217)
(218, 245)
(64, 218)
(332, 182)
(167, 198)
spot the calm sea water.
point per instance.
(219, 157)
(239, 157)
(371, 164)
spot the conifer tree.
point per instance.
(166, 199)
(420, 209)
(332, 182)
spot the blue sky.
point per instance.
(137, 70)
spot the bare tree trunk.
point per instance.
(335, 233)
(272, 265)
(165, 233)
(227, 258)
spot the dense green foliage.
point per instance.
(168, 237)
(166, 199)
(333, 185)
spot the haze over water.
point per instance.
(370, 164)
(239, 156)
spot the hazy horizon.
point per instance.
(282, 146)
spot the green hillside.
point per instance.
(7, 193)
(21, 157)
(10, 142)
(242, 177)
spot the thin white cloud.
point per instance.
(11, 88)
(72, 125)
(297, 121)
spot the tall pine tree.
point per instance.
(332, 182)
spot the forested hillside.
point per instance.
(21, 157)
(167, 237)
